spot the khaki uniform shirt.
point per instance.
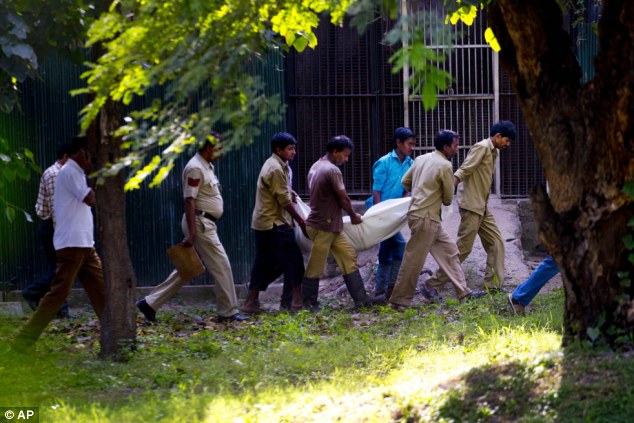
(200, 182)
(272, 195)
(431, 183)
(476, 173)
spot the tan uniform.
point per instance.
(200, 182)
(273, 195)
(431, 183)
(476, 173)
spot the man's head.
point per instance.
(403, 141)
(446, 141)
(502, 133)
(284, 145)
(339, 149)
(62, 153)
(211, 150)
(77, 151)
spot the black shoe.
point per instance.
(474, 295)
(32, 303)
(66, 315)
(233, 318)
(494, 290)
(431, 294)
(148, 312)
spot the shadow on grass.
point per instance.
(570, 387)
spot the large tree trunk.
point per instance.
(118, 323)
(584, 135)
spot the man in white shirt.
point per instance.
(74, 245)
(45, 209)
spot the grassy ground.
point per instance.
(450, 362)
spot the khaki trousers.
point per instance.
(213, 255)
(472, 224)
(71, 263)
(329, 242)
(428, 236)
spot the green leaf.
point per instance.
(593, 333)
(300, 44)
(10, 213)
(628, 240)
(28, 153)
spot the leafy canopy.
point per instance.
(185, 47)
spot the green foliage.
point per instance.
(187, 47)
(31, 29)
(15, 166)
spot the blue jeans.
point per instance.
(392, 249)
(525, 292)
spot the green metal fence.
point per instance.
(48, 118)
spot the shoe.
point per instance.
(233, 318)
(251, 309)
(312, 307)
(473, 295)
(430, 294)
(398, 307)
(148, 312)
(515, 306)
(32, 303)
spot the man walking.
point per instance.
(476, 219)
(74, 245)
(45, 210)
(325, 223)
(203, 207)
(387, 173)
(431, 184)
(277, 251)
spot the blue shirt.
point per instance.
(387, 173)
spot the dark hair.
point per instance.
(504, 128)
(281, 140)
(339, 143)
(214, 134)
(63, 150)
(444, 137)
(77, 144)
(401, 134)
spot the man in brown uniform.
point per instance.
(325, 225)
(277, 251)
(476, 219)
(431, 183)
(203, 207)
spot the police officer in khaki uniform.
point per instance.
(203, 207)
(431, 183)
(476, 219)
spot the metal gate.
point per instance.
(345, 86)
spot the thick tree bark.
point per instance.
(118, 323)
(584, 135)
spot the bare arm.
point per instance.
(190, 217)
(344, 202)
(376, 196)
(300, 221)
(90, 199)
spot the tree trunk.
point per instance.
(584, 135)
(118, 323)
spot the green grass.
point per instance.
(449, 362)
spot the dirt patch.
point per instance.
(519, 264)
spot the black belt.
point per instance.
(205, 214)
